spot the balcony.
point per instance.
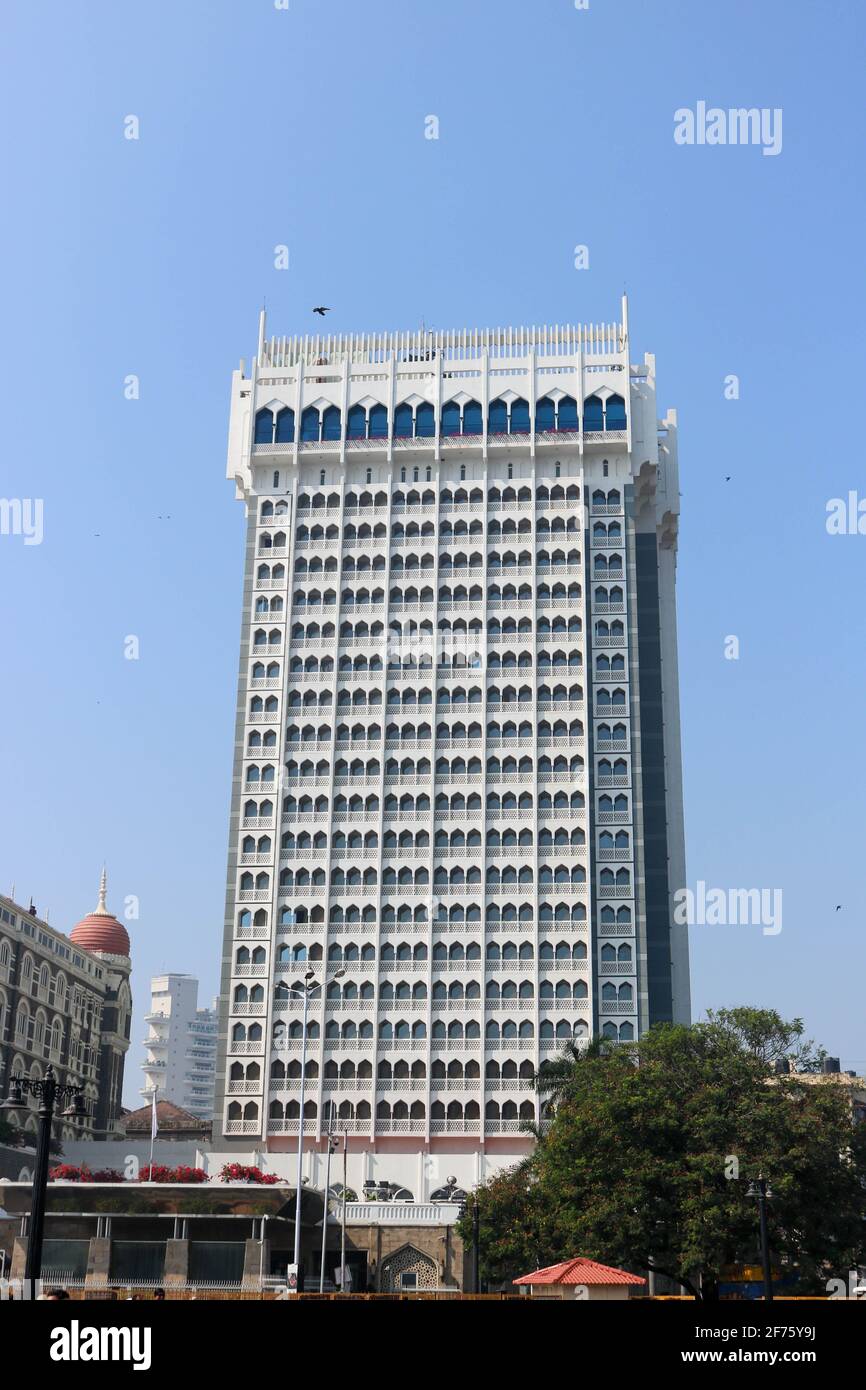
(619, 436)
(242, 1127)
(403, 1213)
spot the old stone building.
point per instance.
(65, 1002)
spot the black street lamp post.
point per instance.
(760, 1190)
(50, 1093)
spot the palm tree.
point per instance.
(555, 1080)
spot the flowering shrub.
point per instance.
(186, 1174)
(71, 1172)
(241, 1172)
(160, 1173)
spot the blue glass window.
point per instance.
(331, 423)
(403, 422)
(285, 426)
(615, 413)
(593, 413)
(497, 418)
(310, 425)
(567, 414)
(357, 423)
(264, 427)
(451, 418)
(425, 422)
(378, 422)
(545, 414)
(472, 418)
(519, 417)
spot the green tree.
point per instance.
(10, 1134)
(648, 1149)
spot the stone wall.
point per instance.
(382, 1243)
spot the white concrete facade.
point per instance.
(457, 764)
(180, 1046)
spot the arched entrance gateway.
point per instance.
(408, 1268)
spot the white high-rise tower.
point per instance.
(457, 792)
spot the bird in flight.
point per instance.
(321, 309)
(838, 907)
(728, 479)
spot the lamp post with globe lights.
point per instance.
(303, 991)
(50, 1094)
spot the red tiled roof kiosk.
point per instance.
(580, 1280)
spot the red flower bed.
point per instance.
(70, 1172)
(186, 1174)
(241, 1172)
(160, 1173)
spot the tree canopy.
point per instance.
(648, 1148)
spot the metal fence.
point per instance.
(246, 1293)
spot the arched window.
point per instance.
(285, 432)
(357, 426)
(331, 423)
(425, 421)
(450, 419)
(403, 422)
(264, 432)
(378, 422)
(615, 413)
(310, 425)
(593, 413)
(545, 414)
(497, 418)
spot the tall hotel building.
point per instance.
(457, 797)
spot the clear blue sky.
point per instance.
(306, 127)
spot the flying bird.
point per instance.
(728, 479)
(838, 907)
(321, 309)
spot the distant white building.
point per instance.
(181, 1045)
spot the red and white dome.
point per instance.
(100, 930)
